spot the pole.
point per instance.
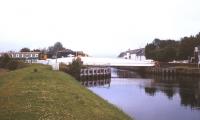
(56, 65)
(56, 59)
(56, 56)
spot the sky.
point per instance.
(102, 28)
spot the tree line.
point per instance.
(169, 50)
(50, 50)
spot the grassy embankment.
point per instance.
(3, 71)
(52, 95)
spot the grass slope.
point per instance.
(52, 95)
(3, 71)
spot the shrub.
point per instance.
(9, 63)
(21, 64)
(63, 67)
(5, 59)
(12, 65)
(35, 70)
(73, 69)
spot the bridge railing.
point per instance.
(91, 61)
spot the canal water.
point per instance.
(152, 98)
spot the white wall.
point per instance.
(137, 58)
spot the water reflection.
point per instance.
(188, 89)
(93, 83)
(124, 74)
(154, 97)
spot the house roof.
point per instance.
(19, 52)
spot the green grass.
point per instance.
(50, 95)
(3, 71)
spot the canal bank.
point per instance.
(174, 69)
(166, 69)
(37, 92)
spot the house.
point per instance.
(29, 57)
(137, 54)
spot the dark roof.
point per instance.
(138, 52)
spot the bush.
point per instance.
(12, 65)
(5, 60)
(63, 67)
(73, 69)
(35, 70)
(8, 63)
(21, 64)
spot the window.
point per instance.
(22, 55)
(31, 55)
(36, 55)
(17, 55)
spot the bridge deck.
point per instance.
(92, 61)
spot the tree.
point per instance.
(149, 51)
(167, 50)
(4, 60)
(36, 50)
(75, 68)
(54, 49)
(25, 50)
(186, 47)
(161, 50)
(58, 46)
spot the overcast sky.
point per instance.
(99, 28)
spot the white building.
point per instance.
(137, 54)
(29, 57)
